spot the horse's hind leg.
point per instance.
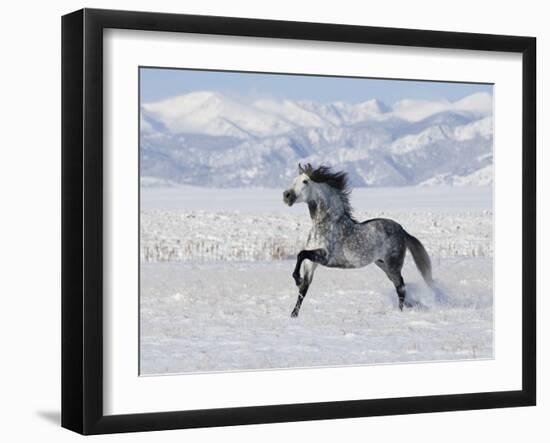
(309, 269)
(392, 267)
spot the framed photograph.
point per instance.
(269, 221)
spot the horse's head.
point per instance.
(302, 188)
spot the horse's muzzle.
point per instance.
(289, 197)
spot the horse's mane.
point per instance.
(337, 180)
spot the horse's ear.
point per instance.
(300, 169)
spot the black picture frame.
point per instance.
(82, 220)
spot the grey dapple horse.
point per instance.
(337, 240)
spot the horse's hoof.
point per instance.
(294, 314)
(411, 305)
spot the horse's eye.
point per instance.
(305, 182)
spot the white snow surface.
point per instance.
(223, 317)
(440, 198)
(216, 287)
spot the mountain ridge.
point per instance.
(209, 139)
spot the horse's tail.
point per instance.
(421, 258)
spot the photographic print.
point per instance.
(305, 221)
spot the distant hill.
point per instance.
(209, 139)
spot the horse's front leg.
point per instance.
(315, 255)
(309, 269)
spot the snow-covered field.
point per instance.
(216, 286)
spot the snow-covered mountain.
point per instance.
(210, 139)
